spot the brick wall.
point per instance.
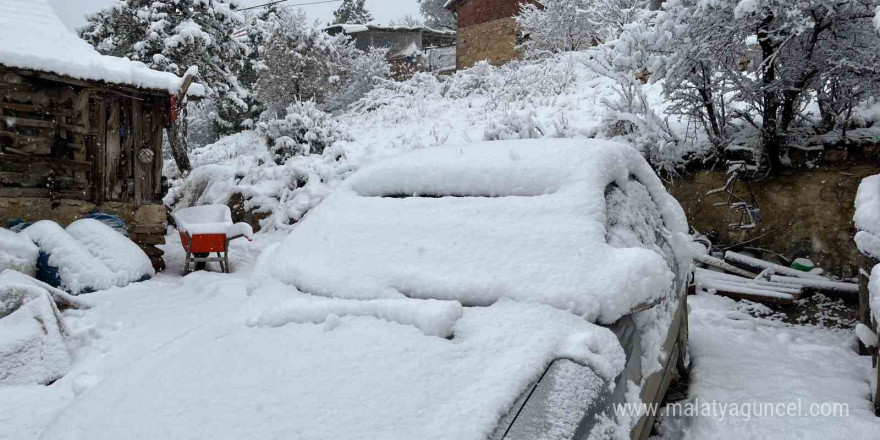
(494, 41)
(475, 12)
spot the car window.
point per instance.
(634, 220)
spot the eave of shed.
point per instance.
(32, 37)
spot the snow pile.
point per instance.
(118, 253)
(33, 37)
(283, 306)
(17, 253)
(383, 379)
(32, 332)
(511, 219)
(89, 256)
(557, 97)
(867, 216)
(210, 219)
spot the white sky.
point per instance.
(73, 12)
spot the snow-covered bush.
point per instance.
(300, 63)
(631, 116)
(303, 130)
(365, 70)
(514, 125)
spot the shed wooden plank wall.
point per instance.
(66, 139)
(94, 157)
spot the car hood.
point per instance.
(340, 371)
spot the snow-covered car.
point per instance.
(511, 289)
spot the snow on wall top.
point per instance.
(867, 216)
(33, 37)
(358, 28)
(523, 220)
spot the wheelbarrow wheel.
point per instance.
(201, 265)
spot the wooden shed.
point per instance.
(79, 131)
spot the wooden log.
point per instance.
(755, 298)
(26, 144)
(792, 289)
(138, 169)
(13, 122)
(42, 193)
(10, 78)
(756, 265)
(718, 263)
(10, 177)
(743, 291)
(58, 164)
(848, 292)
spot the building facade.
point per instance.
(486, 30)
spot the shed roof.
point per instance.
(358, 28)
(33, 37)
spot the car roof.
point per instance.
(523, 220)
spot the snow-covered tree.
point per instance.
(760, 63)
(352, 12)
(553, 26)
(407, 21)
(437, 16)
(172, 35)
(300, 63)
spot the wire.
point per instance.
(282, 1)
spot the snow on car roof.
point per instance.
(33, 37)
(523, 220)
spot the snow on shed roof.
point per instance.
(33, 37)
(522, 219)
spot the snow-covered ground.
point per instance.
(744, 356)
(127, 326)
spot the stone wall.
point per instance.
(807, 213)
(494, 41)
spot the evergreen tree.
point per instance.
(352, 12)
(171, 36)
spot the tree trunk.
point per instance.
(769, 127)
(177, 140)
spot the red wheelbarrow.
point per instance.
(206, 230)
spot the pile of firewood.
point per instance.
(743, 277)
